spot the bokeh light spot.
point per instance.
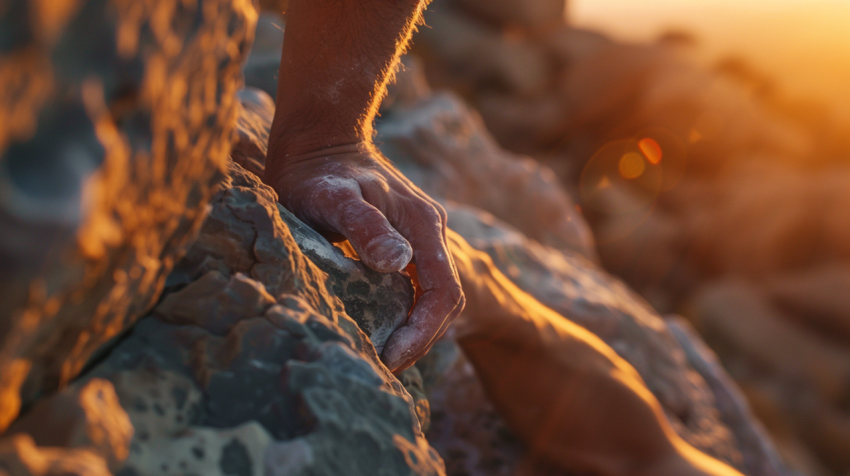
(632, 165)
(651, 150)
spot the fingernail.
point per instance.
(388, 253)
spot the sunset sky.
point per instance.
(803, 43)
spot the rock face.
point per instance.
(116, 128)
(260, 373)
(111, 138)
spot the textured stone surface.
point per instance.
(586, 295)
(377, 302)
(465, 429)
(229, 375)
(118, 126)
(757, 450)
(113, 123)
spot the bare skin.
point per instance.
(337, 58)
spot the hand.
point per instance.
(352, 191)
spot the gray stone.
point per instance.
(110, 139)
(228, 373)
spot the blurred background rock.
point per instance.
(707, 144)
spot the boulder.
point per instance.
(250, 364)
(110, 140)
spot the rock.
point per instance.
(250, 356)
(20, 456)
(105, 172)
(757, 450)
(816, 298)
(261, 69)
(796, 379)
(574, 288)
(441, 145)
(86, 417)
(542, 371)
(215, 302)
(465, 427)
(229, 375)
(257, 111)
(377, 302)
(476, 56)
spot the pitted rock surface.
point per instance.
(205, 403)
(115, 117)
(229, 375)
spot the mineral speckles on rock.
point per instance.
(251, 348)
(215, 403)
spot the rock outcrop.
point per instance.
(116, 129)
(259, 373)
(115, 122)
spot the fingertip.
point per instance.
(401, 348)
(387, 253)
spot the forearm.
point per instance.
(337, 58)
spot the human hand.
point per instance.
(353, 192)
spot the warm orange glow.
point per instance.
(651, 150)
(632, 166)
(709, 125)
(803, 44)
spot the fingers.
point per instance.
(378, 244)
(423, 224)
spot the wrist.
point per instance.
(297, 132)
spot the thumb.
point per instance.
(377, 243)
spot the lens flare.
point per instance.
(651, 150)
(632, 166)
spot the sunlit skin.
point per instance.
(338, 56)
